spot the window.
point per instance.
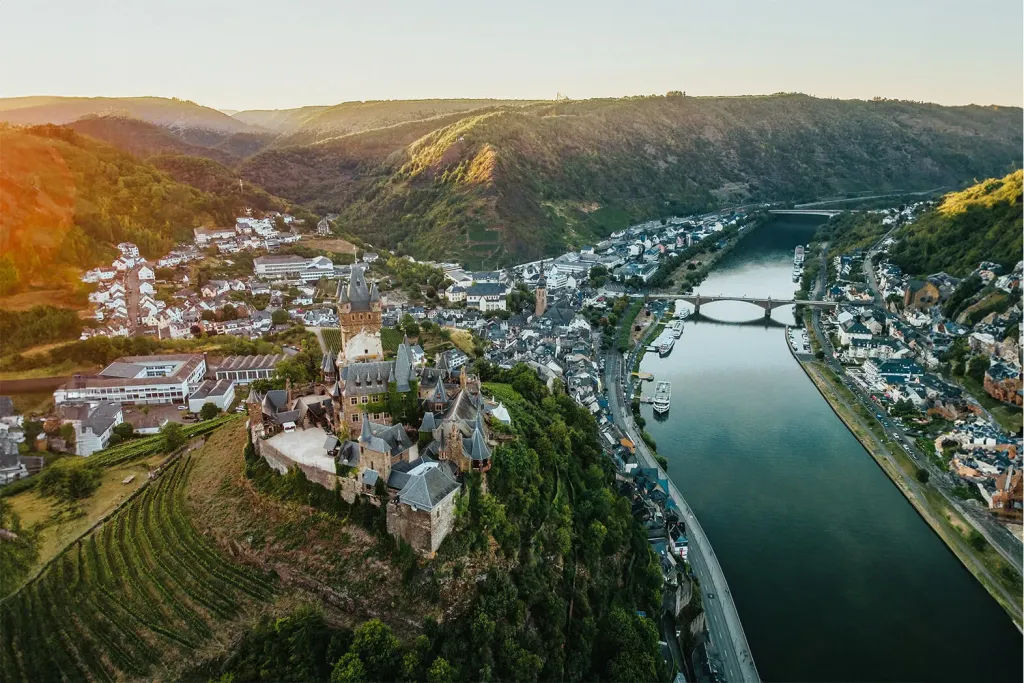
(354, 400)
(355, 417)
(366, 399)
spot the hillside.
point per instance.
(278, 120)
(66, 200)
(981, 223)
(504, 183)
(143, 138)
(355, 117)
(169, 112)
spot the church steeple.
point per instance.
(542, 293)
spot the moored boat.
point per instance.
(662, 397)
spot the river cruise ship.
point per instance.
(662, 397)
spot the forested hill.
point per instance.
(506, 182)
(981, 223)
(67, 199)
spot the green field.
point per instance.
(142, 590)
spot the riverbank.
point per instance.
(991, 570)
(704, 258)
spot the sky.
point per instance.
(257, 54)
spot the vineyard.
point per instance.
(151, 445)
(144, 588)
(332, 339)
(390, 338)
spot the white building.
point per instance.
(220, 393)
(138, 379)
(93, 422)
(204, 236)
(291, 267)
(489, 297)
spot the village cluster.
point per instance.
(893, 348)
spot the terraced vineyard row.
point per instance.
(332, 339)
(144, 588)
(150, 445)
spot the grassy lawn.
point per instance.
(66, 368)
(57, 527)
(463, 339)
(61, 298)
(335, 244)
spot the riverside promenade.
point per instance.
(728, 648)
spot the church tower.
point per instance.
(359, 313)
(542, 293)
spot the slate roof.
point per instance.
(327, 364)
(428, 424)
(357, 293)
(369, 377)
(427, 486)
(6, 406)
(403, 366)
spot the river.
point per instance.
(835, 575)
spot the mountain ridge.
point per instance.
(505, 183)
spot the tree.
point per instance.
(125, 430)
(976, 368)
(69, 479)
(172, 436)
(209, 411)
(976, 540)
(409, 326)
(33, 428)
(377, 647)
(279, 317)
(922, 475)
(349, 669)
(441, 672)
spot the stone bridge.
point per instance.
(768, 304)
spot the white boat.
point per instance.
(798, 255)
(665, 344)
(662, 397)
(677, 329)
(683, 314)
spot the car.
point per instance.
(711, 596)
(182, 407)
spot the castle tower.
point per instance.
(359, 312)
(542, 293)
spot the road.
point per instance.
(132, 292)
(728, 648)
(1004, 542)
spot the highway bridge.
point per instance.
(768, 304)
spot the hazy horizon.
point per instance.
(256, 56)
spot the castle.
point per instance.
(340, 433)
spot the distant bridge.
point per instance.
(768, 304)
(805, 212)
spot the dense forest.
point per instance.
(980, 223)
(501, 182)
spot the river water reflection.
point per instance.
(835, 576)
